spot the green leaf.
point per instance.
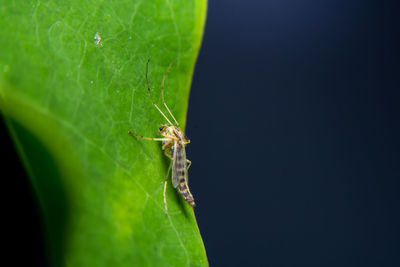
(72, 83)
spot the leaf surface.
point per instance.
(72, 83)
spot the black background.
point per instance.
(294, 122)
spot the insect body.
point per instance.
(173, 143)
(179, 173)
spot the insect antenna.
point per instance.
(162, 90)
(151, 97)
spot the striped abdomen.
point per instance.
(179, 174)
(185, 192)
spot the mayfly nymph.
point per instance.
(173, 143)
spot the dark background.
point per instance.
(294, 122)
(295, 128)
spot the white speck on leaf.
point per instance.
(97, 40)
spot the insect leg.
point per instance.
(151, 97)
(165, 190)
(190, 164)
(147, 138)
(162, 90)
(168, 154)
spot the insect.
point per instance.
(173, 143)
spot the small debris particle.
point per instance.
(97, 40)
